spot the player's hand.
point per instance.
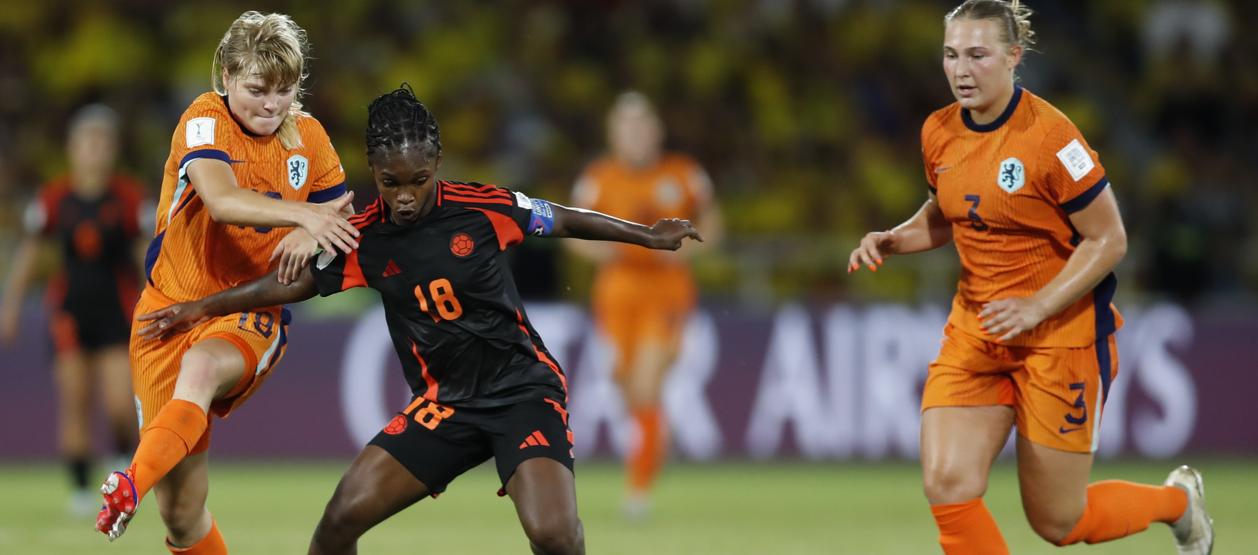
(873, 248)
(294, 251)
(8, 326)
(327, 224)
(174, 319)
(1007, 318)
(667, 234)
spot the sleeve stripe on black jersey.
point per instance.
(370, 215)
(481, 200)
(463, 192)
(480, 189)
(329, 194)
(1085, 198)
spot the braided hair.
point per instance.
(398, 119)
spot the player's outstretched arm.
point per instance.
(927, 229)
(262, 292)
(578, 223)
(229, 204)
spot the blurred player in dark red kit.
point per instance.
(93, 215)
(484, 384)
(638, 180)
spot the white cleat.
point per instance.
(1194, 532)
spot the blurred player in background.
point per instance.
(94, 216)
(484, 384)
(1029, 342)
(244, 162)
(643, 298)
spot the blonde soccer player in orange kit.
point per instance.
(1029, 342)
(643, 298)
(245, 162)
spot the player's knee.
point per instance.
(556, 535)
(1053, 526)
(950, 484)
(341, 522)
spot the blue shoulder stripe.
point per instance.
(325, 195)
(1085, 198)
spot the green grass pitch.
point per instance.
(863, 508)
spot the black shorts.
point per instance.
(89, 330)
(438, 443)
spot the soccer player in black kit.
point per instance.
(484, 384)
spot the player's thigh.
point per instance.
(114, 381)
(375, 487)
(958, 446)
(1054, 487)
(617, 310)
(533, 453)
(209, 370)
(544, 493)
(73, 379)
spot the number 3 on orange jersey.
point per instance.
(975, 220)
(442, 293)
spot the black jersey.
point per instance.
(99, 274)
(450, 300)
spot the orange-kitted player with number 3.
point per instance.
(484, 385)
(1030, 340)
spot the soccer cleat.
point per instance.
(1194, 531)
(119, 507)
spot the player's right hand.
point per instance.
(8, 326)
(668, 233)
(293, 252)
(327, 224)
(174, 319)
(873, 248)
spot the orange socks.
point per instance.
(648, 456)
(968, 528)
(1116, 509)
(173, 433)
(211, 544)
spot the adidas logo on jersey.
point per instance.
(534, 439)
(391, 269)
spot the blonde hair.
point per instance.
(272, 47)
(1014, 18)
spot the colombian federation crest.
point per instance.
(298, 169)
(1011, 176)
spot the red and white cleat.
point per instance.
(119, 507)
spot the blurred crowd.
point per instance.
(806, 113)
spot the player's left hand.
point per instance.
(669, 232)
(294, 252)
(174, 319)
(1007, 318)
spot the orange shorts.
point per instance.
(635, 309)
(1056, 392)
(261, 337)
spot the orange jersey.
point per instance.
(674, 187)
(1008, 189)
(192, 256)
